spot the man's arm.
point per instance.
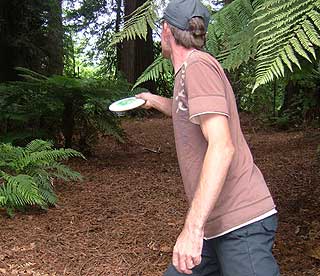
(162, 104)
(187, 251)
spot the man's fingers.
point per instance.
(187, 253)
(190, 263)
(196, 260)
(183, 267)
(180, 263)
(175, 259)
(145, 96)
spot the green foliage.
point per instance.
(153, 72)
(285, 30)
(27, 174)
(137, 24)
(304, 105)
(89, 51)
(265, 102)
(275, 33)
(230, 36)
(64, 109)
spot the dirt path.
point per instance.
(124, 217)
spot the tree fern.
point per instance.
(27, 174)
(285, 30)
(277, 34)
(230, 36)
(42, 99)
(228, 39)
(159, 66)
(137, 24)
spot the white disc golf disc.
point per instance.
(126, 104)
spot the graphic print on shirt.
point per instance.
(181, 97)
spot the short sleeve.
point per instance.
(205, 89)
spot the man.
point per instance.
(231, 223)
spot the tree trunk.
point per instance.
(128, 46)
(291, 89)
(117, 29)
(226, 2)
(21, 37)
(9, 54)
(55, 38)
(68, 122)
(137, 54)
(4, 49)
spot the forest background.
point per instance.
(63, 62)
(80, 56)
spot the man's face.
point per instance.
(165, 38)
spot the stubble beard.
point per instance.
(165, 50)
(165, 54)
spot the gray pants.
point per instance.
(243, 252)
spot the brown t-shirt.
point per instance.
(201, 87)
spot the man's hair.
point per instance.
(194, 37)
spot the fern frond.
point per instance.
(153, 72)
(285, 30)
(44, 158)
(3, 199)
(311, 33)
(284, 14)
(306, 42)
(49, 196)
(53, 155)
(38, 145)
(20, 190)
(232, 30)
(9, 154)
(110, 127)
(26, 174)
(29, 74)
(137, 24)
(64, 172)
(46, 188)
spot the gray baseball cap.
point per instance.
(179, 12)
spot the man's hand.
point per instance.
(162, 104)
(187, 251)
(147, 97)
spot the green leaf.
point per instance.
(136, 25)
(153, 72)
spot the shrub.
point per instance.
(27, 174)
(67, 110)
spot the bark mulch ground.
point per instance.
(124, 217)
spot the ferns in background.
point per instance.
(230, 36)
(27, 174)
(275, 33)
(59, 108)
(285, 30)
(137, 25)
(159, 66)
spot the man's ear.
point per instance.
(166, 30)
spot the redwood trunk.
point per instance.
(136, 55)
(55, 38)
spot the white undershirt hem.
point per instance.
(268, 214)
(194, 118)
